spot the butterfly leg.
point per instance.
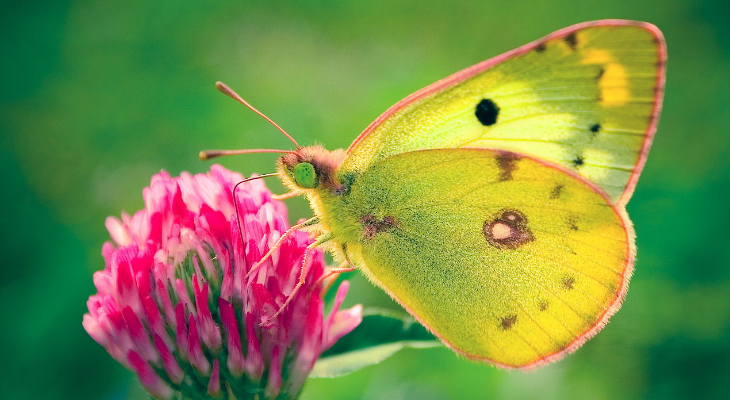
(255, 267)
(302, 275)
(345, 266)
(340, 269)
(285, 196)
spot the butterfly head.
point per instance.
(311, 168)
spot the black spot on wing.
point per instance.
(572, 41)
(578, 161)
(568, 282)
(541, 47)
(557, 191)
(573, 223)
(487, 112)
(507, 322)
(507, 163)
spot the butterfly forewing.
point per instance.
(506, 258)
(586, 98)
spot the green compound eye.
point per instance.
(305, 175)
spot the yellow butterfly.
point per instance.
(491, 204)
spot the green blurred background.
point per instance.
(97, 96)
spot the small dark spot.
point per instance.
(595, 128)
(572, 223)
(508, 322)
(557, 191)
(601, 71)
(507, 163)
(508, 230)
(369, 232)
(389, 220)
(611, 287)
(487, 112)
(578, 161)
(568, 282)
(572, 40)
(371, 226)
(541, 47)
(543, 305)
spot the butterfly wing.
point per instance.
(586, 97)
(506, 258)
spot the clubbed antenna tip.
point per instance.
(208, 154)
(230, 93)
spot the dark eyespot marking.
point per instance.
(595, 128)
(487, 112)
(543, 305)
(557, 191)
(601, 71)
(540, 47)
(508, 322)
(371, 226)
(578, 161)
(572, 41)
(507, 163)
(568, 282)
(508, 230)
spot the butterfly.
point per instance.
(491, 204)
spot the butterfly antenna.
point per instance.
(230, 93)
(208, 154)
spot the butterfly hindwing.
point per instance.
(506, 258)
(586, 97)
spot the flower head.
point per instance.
(175, 304)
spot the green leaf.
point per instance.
(380, 334)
